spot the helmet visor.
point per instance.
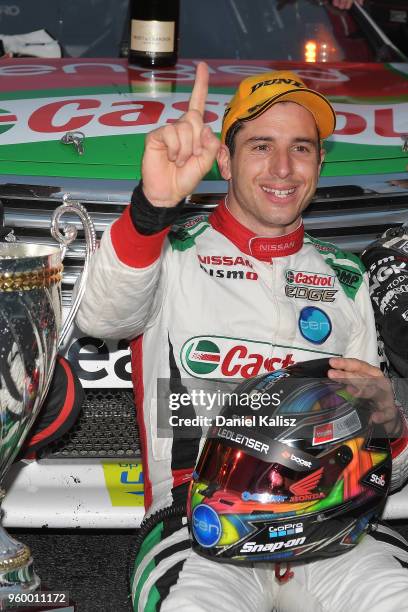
(225, 468)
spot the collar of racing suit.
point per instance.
(263, 248)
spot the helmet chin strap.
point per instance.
(284, 577)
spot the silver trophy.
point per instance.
(30, 335)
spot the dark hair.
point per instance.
(238, 124)
(230, 135)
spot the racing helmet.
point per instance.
(292, 470)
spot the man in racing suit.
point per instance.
(232, 295)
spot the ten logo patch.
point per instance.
(314, 325)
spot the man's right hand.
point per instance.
(178, 156)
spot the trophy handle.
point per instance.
(65, 239)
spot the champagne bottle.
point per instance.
(154, 32)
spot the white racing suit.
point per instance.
(210, 300)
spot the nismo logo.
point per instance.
(223, 266)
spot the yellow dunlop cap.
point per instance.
(256, 94)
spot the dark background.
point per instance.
(100, 28)
(92, 565)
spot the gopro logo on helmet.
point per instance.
(285, 530)
(378, 480)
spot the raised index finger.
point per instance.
(198, 96)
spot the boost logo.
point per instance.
(206, 526)
(314, 325)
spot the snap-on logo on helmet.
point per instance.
(314, 325)
(206, 526)
(270, 547)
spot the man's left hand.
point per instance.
(369, 382)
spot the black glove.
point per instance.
(386, 261)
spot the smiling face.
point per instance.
(274, 170)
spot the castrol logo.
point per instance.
(309, 279)
(218, 357)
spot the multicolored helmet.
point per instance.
(299, 478)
